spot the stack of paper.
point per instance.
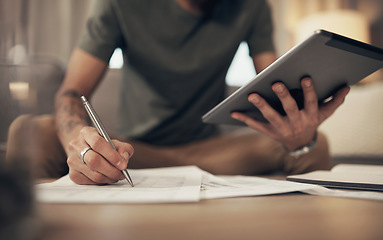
(179, 184)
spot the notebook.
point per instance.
(345, 176)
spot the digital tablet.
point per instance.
(331, 60)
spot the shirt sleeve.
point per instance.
(102, 34)
(261, 36)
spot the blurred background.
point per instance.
(37, 37)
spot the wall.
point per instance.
(52, 26)
(43, 27)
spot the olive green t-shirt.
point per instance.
(175, 62)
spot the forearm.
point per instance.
(263, 60)
(83, 74)
(70, 116)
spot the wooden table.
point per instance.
(288, 216)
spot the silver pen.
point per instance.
(101, 130)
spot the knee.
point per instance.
(323, 159)
(318, 159)
(320, 156)
(27, 124)
(17, 142)
(25, 132)
(19, 128)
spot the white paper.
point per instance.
(181, 184)
(161, 185)
(237, 186)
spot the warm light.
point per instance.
(19, 90)
(349, 23)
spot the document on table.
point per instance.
(237, 186)
(176, 184)
(180, 184)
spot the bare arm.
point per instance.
(103, 163)
(83, 74)
(262, 60)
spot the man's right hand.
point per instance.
(103, 164)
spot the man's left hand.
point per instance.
(298, 127)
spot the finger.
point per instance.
(289, 105)
(256, 125)
(76, 166)
(328, 108)
(99, 165)
(310, 97)
(101, 146)
(79, 178)
(272, 116)
(126, 150)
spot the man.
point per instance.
(176, 55)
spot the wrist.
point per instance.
(303, 149)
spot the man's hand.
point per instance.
(103, 164)
(298, 127)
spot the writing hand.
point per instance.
(103, 164)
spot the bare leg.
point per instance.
(247, 154)
(34, 138)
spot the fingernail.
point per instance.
(307, 83)
(348, 90)
(119, 162)
(234, 116)
(278, 88)
(254, 99)
(126, 156)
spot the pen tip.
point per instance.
(127, 177)
(130, 182)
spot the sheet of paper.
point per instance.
(237, 186)
(181, 184)
(160, 185)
